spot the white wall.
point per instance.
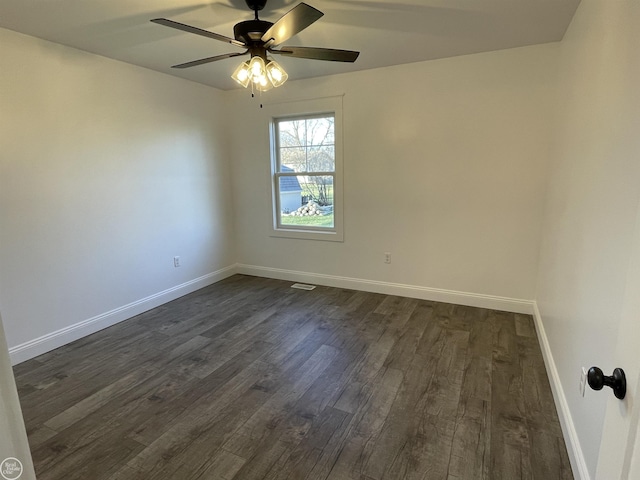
(591, 204)
(107, 171)
(445, 167)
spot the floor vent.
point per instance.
(303, 286)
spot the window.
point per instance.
(306, 183)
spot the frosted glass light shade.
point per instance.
(241, 75)
(257, 70)
(276, 73)
(263, 84)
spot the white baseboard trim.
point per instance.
(412, 291)
(53, 340)
(576, 457)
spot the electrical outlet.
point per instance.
(583, 381)
(176, 262)
(387, 257)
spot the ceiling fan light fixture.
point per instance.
(263, 76)
(276, 73)
(242, 74)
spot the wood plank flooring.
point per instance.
(251, 379)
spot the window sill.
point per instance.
(331, 236)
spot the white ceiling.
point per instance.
(386, 33)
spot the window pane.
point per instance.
(292, 133)
(319, 188)
(321, 159)
(293, 159)
(306, 201)
(320, 131)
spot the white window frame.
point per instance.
(300, 110)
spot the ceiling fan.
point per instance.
(260, 37)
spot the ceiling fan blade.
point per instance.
(291, 23)
(198, 31)
(314, 53)
(202, 61)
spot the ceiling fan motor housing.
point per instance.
(251, 31)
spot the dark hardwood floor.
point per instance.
(251, 379)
